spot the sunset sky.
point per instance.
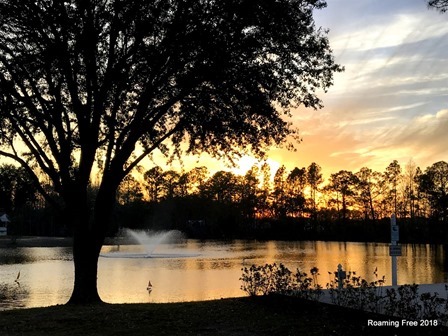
(391, 101)
(389, 104)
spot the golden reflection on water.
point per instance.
(51, 270)
(215, 272)
(195, 270)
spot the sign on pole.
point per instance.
(394, 233)
(395, 250)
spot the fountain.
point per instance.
(150, 242)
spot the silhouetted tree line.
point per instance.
(296, 204)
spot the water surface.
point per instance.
(202, 270)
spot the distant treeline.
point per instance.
(296, 204)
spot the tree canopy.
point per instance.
(106, 82)
(87, 80)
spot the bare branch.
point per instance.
(33, 177)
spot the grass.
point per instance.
(269, 315)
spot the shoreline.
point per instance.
(43, 241)
(35, 241)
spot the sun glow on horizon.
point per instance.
(246, 162)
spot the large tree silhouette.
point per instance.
(107, 82)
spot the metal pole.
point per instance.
(394, 270)
(393, 223)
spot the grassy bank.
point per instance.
(271, 315)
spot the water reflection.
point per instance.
(14, 256)
(13, 295)
(208, 270)
(23, 255)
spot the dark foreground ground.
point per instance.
(273, 315)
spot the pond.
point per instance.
(194, 270)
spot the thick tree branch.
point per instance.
(149, 150)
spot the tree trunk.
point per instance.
(87, 242)
(372, 208)
(89, 235)
(344, 208)
(86, 250)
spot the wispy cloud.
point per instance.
(390, 103)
